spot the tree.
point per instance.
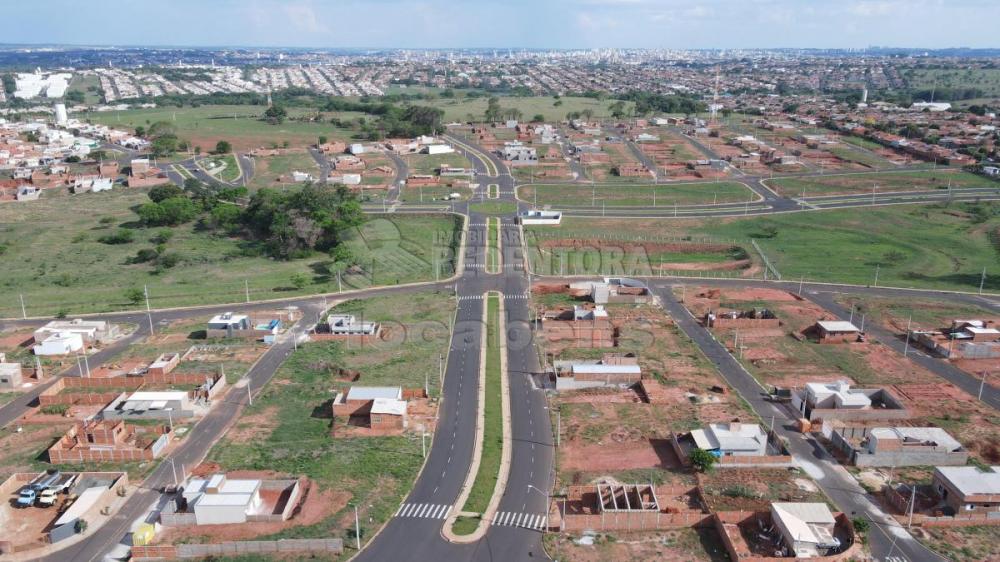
(275, 115)
(617, 109)
(74, 96)
(538, 118)
(163, 146)
(322, 139)
(702, 460)
(134, 295)
(299, 280)
(140, 131)
(9, 84)
(166, 191)
(223, 147)
(168, 212)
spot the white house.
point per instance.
(59, 343)
(439, 149)
(732, 439)
(806, 528)
(219, 500)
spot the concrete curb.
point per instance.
(507, 448)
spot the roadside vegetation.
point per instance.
(492, 445)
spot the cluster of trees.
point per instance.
(285, 224)
(647, 102)
(406, 121)
(495, 112)
(162, 137)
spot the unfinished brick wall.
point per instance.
(727, 524)
(746, 323)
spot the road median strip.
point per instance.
(487, 478)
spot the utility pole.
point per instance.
(423, 442)
(801, 277)
(982, 384)
(24, 313)
(913, 500)
(149, 315)
(876, 274)
(173, 468)
(558, 427)
(357, 528)
(906, 347)
(246, 286)
(982, 281)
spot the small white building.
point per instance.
(219, 500)
(229, 321)
(535, 216)
(143, 401)
(732, 439)
(835, 395)
(348, 325)
(89, 330)
(806, 528)
(356, 148)
(438, 149)
(59, 343)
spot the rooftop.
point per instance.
(971, 480)
(374, 392)
(837, 326)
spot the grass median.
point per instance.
(493, 246)
(492, 445)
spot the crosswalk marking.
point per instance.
(532, 521)
(519, 296)
(424, 510)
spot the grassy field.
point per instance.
(206, 125)
(222, 167)
(489, 464)
(936, 247)
(964, 544)
(55, 259)
(634, 195)
(429, 164)
(287, 429)
(472, 109)
(428, 194)
(883, 182)
(985, 79)
(268, 169)
(493, 208)
(859, 156)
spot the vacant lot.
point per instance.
(964, 544)
(690, 545)
(429, 164)
(287, 430)
(241, 125)
(881, 182)
(933, 246)
(467, 109)
(277, 170)
(54, 258)
(635, 196)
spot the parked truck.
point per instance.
(27, 497)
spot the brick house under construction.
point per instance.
(108, 441)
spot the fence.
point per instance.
(635, 521)
(768, 266)
(236, 548)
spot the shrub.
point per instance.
(702, 460)
(121, 236)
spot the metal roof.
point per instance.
(374, 392)
(837, 326)
(389, 406)
(595, 369)
(970, 480)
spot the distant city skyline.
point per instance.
(557, 24)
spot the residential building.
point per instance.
(836, 331)
(838, 401)
(731, 439)
(611, 370)
(59, 343)
(109, 441)
(219, 500)
(898, 446)
(517, 153)
(227, 325)
(10, 374)
(376, 407)
(807, 529)
(968, 488)
(91, 331)
(347, 325)
(536, 217)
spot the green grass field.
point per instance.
(931, 247)
(985, 79)
(267, 169)
(493, 208)
(493, 246)
(634, 195)
(467, 109)
(222, 167)
(429, 164)
(287, 429)
(430, 194)
(489, 464)
(53, 258)
(883, 182)
(204, 126)
(859, 157)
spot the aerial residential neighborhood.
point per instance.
(601, 281)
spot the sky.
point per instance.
(676, 24)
